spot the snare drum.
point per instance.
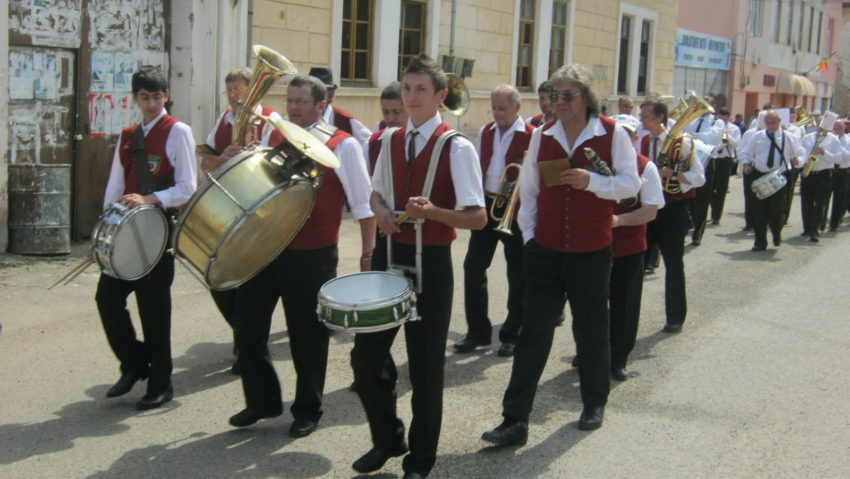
(367, 302)
(768, 184)
(128, 242)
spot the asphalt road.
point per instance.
(756, 385)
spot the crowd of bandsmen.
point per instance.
(600, 200)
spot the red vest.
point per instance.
(537, 120)
(158, 160)
(516, 150)
(254, 132)
(629, 240)
(322, 227)
(374, 150)
(668, 198)
(570, 220)
(409, 180)
(342, 120)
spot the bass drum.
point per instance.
(243, 216)
(128, 242)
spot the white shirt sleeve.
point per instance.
(651, 192)
(115, 184)
(180, 148)
(696, 173)
(360, 131)
(625, 182)
(354, 177)
(529, 188)
(466, 173)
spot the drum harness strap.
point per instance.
(426, 192)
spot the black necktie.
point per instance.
(654, 149)
(770, 154)
(699, 124)
(411, 146)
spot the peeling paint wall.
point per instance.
(50, 23)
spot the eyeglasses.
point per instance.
(297, 101)
(566, 95)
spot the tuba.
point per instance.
(271, 65)
(457, 101)
(670, 154)
(680, 108)
(803, 117)
(504, 205)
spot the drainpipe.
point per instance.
(452, 39)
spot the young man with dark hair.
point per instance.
(297, 274)
(169, 150)
(393, 116)
(456, 201)
(545, 106)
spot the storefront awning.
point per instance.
(792, 84)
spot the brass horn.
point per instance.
(670, 151)
(504, 205)
(680, 108)
(803, 117)
(457, 101)
(271, 65)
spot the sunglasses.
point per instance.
(566, 95)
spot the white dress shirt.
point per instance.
(501, 143)
(228, 117)
(360, 131)
(704, 123)
(733, 134)
(845, 150)
(625, 183)
(651, 192)
(465, 167)
(180, 148)
(797, 131)
(757, 148)
(353, 175)
(832, 155)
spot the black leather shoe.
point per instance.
(813, 238)
(672, 328)
(249, 416)
(560, 321)
(758, 248)
(377, 457)
(574, 363)
(467, 345)
(302, 427)
(620, 374)
(696, 242)
(124, 384)
(413, 475)
(509, 433)
(715, 222)
(591, 418)
(506, 350)
(777, 240)
(153, 401)
(236, 369)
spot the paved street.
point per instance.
(756, 385)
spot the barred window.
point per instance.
(411, 40)
(525, 57)
(625, 46)
(557, 46)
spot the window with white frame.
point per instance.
(635, 50)
(788, 34)
(525, 47)
(756, 17)
(820, 30)
(411, 40)
(811, 27)
(777, 22)
(558, 41)
(356, 60)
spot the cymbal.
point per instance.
(306, 143)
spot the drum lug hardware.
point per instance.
(395, 313)
(224, 190)
(345, 320)
(354, 313)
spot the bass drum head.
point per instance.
(261, 235)
(139, 242)
(370, 289)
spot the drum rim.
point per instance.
(365, 329)
(370, 305)
(109, 269)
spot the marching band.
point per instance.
(577, 199)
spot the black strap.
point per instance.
(141, 162)
(781, 150)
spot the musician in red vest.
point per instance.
(500, 143)
(565, 214)
(336, 116)
(259, 131)
(393, 115)
(456, 201)
(670, 226)
(298, 273)
(628, 245)
(547, 114)
(169, 150)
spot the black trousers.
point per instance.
(626, 290)
(792, 175)
(723, 170)
(668, 231)
(152, 357)
(814, 192)
(585, 278)
(702, 201)
(426, 349)
(479, 256)
(749, 197)
(295, 277)
(840, 179)
(768, 212)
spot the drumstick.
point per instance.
(75, 271)
(399, 220)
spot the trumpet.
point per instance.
(503, 208)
